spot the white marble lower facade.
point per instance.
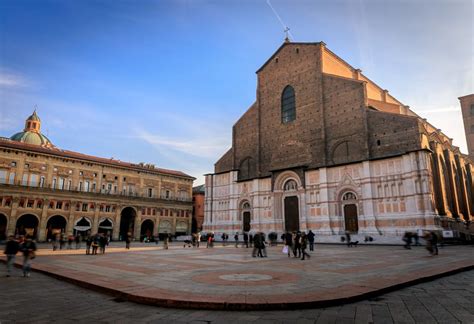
(380, 198)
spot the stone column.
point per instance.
(70, 222)
(369, 219)
(116, 226)
(95, 221)
(42, 230)
(137, 226)
(12, 219)
(324, 219)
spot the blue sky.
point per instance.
(164, 81)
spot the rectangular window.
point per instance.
(24, 180)
(115, 189)
(54, 183)
(93, 186)
(109, 188)
(150, 192)
(84, 207)
(86, 186)
(80, 185)
(107, 209)
(34, 180)
(167, 195)
(3, 176)
(69, 185)
(61, 183)
(39, 204)
(59, 205)
(11, 179)
(30, 203)
(41, 183)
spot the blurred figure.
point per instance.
(28, 248)
(416, 238)
(166, 241)
(246, 239)
(257, 245)
(11, 249)
(407, 239)
(198, 239)
(236, 238)
(78, 240)
(289, 242)
(88, 244)
(102, 243)
(56, 240)
(432, 243)
(310, 237)
(263, 245)
(297, 245)
(128, 240)
(304, 245)
(95, 244)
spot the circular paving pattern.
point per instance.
(245, 277)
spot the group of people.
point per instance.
(297, 243)
(431, 239)
(97, 242)
(26, 246)
(59, 241)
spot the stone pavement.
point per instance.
(42, 299)
(230, 278)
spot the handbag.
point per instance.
(285, 249)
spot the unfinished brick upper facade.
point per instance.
(344, 121)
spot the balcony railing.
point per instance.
(101, 192)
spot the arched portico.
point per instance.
(82, 226)
(127, 222)
(27, 225)
(146, 230)
(106, 226)
(55, 225)
(3, 227)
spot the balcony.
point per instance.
(102, 193)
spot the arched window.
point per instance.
(290, 185)
(349, 196)
(246, 205)
(288, 106)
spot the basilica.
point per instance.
(45, 191)
(325, 148)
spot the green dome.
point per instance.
(32, 138)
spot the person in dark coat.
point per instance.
(236, 238)
(88, 244)
(28, 248)
(304, 245)
(310, 237)
(11, 249)
(128, 240)
(297, 245)
(246, 239)
(407, 239)
(257, 245)
(289, 242)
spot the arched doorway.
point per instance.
(181, 228)
(3, 227)
(55, 225)
(146, 231)
(82, 227)
(106, 226)
(27, 225)
(292, 213)
(246, 217)
(127, 222)
(351, 220)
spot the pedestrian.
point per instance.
(88, 244)
(28, 248)
(310, 236)
(263, 245)
(236, 238)
(198, 239)
(128, 240)
(102, 243)
(95, 244)
(304, 245)
(166, 241)
(432, 243)
(78, 240)
(246, 239)
(407, 239)
(297, 245)
(223, 237)
(289, 242)
(11, 249)
(257, 246)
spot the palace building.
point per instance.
(325, 148)
(45, 190)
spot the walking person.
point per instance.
(95, 244)
(289, 242)
(236, 238)
(102, 243)
(78, 240)
(198, 239)
(310, 237)
(407, 239)
(28, 248)
(246, 239)
(263, 245)
(88, 245)
(128, 240)
(11, 249)
(297, 245)
(166, 241)
(257, 246)
(304, 245)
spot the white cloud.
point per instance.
(12, 80)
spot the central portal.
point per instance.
(292, 222)
(246, 226)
